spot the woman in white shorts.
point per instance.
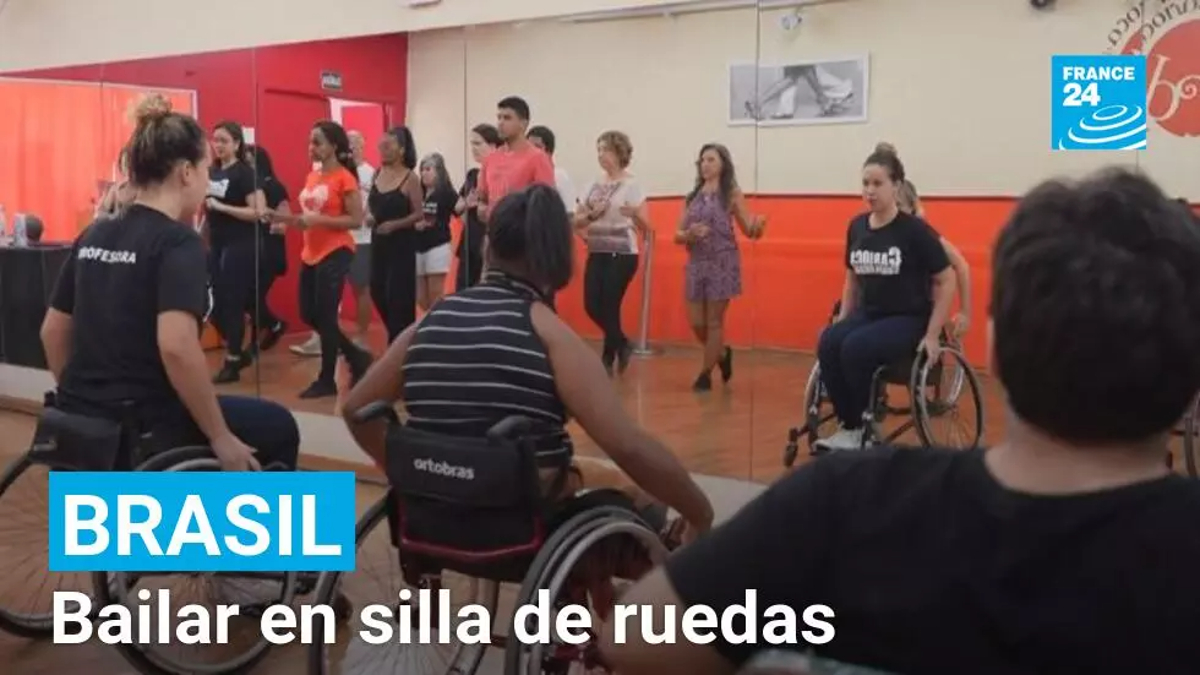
(433, 233)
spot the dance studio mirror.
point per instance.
(64, 134)
(628, 124)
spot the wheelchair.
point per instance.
(466, 516)
(66, 441)
(935, 391)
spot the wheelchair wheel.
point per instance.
(1190, 430)
(378, 579)
(820, 421)
(253, 593)
(947, 401)
(27, 592)
(574, 567)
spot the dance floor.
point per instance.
(736, 432)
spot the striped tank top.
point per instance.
(475, 360)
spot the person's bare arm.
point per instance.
(598, 410)
(56, 340)
(248, 213)
(187, 369)
(962, 272)
(384, 381)
(849, 295)
(741, 213)
(943, 299)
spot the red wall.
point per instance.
(229, 84)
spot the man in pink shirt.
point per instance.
(517, 164)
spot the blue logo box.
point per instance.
(1098, 103)
(202, 521)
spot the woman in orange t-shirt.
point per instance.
(331, 206)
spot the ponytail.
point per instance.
(531, 230)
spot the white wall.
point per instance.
(46, 33)
(963, 88)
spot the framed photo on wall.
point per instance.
(801, 92)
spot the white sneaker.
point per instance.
(842, 439)
(310, 348)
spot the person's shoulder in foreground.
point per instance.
(1068, 547)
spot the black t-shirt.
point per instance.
(439, 209)
(123, 272)
(392, 205)
(895, 264)
(932, 567)
(472, 239)
(232, 185)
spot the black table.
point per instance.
(27, 278)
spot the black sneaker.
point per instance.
(320, 389)
(623, 358)
(231, 369)
(726, 365)
(702, 383)
(360, 362)
(607, 359)
(273, 335)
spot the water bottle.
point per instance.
(20, 239)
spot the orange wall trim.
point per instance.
(793, 275)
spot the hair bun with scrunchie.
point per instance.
(152, 107)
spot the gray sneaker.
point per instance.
(310, 348)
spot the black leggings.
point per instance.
(605, 280)
(258, 307)
(321, 287)
(234, 268)
(470, 266)
(394, 283)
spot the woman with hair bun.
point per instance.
(497, 349)
(896, 299)
(123, 328)
(331, 206)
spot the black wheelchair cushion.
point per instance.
(471, 472)
(468, 504)
(68, 441)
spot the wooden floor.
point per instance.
(736, 431)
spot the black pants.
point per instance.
(470, 267)
(605, 280)
(234, 273)
(321, 287)
(264, 425)
(394, 283)
(850, 351)
(264, 318)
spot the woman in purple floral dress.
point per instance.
(714, 267)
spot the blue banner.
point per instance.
(1098, 103)
(269, 521)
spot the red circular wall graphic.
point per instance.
(1173, 77)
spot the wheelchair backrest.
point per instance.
(471, 498)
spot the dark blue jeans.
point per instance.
(852, 349)
(264, 425)
(234, 279)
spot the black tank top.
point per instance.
(392, 205)
(476, 360)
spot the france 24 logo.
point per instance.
(1098, 103)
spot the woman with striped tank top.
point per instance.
(497, 349)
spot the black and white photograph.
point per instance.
(829, 91)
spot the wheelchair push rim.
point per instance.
(552, 570)
(349, 654)
(20, 477)
(819, 418)
(155, 659)
(948, 399)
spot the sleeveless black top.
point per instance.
(476, 360)
(392, 205)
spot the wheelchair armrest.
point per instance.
(375, 410)
(510, 428)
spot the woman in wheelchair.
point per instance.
(122, 335)
(497, 350)
(889, 309)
